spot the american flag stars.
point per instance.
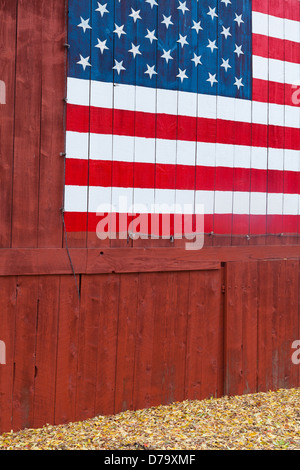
(184, 38)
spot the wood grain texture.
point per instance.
(67, 351)
(8, 300)
(8, 25)
(121, 260)
(240, 328)
(46, 350)
(52, 135)
(204, 336)
(27, 124)
(139, 339)
(24, 354)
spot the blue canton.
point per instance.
(199, 46)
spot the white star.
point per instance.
(135, 15)
(167, 55)
(84, 24)
(238, 19)
(197, 26)
(225, 64)
(135, 50)
(226, 2)
(197, 60)
(102, 9)
(212, 13)
(238, 50)
(212, 79)
(238, 82)
(182, 40)
(101, 45)
(151, 36)
(183, 7)
(150, 71)
(226, 32)
(152, 3)
(212, 45)
(167, 21)
(118, 66)
(84, 62)
(119, 30)
(182, 75)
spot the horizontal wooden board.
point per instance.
(47, 261)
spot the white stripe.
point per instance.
(275, 27)
(161, 201)
(78, 91)
(125, 97)
(143, 150)
(275, 70)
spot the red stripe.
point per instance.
(282, 9)
(171, 127)
(217, 223)
(277, 93)
(182, 177)
(274, 48)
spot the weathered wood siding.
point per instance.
(100, 329)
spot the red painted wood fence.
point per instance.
(99, 329)
(139, 339)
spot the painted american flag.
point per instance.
(185, 102)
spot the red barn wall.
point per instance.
(98, 329)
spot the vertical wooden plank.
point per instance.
(24, 352)
(225, 155)
(233, 331)
(87, 347)
(108, 289)
(279, 328)
(205, 153)
(207, 109)
(8, 24)
(161, 362)
(242, 156)
(249, 312)
(144, 342)
(101, 147)
(289, 324)
(46, 350)
(126, 342)
(50, 227)
(204, 337)
(264, 326)
(166, 104)
(123, 97)
(185, 171)
(97, 345)
(259, 161)
(241, 328)
(270, 311)
(7, 335)
(146, 100)
(160, 353)
(176, 347)
(67, 351)
(78, 145)
(291, 165)
(276, 155)
(27, 124)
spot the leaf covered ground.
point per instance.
(257, 421)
